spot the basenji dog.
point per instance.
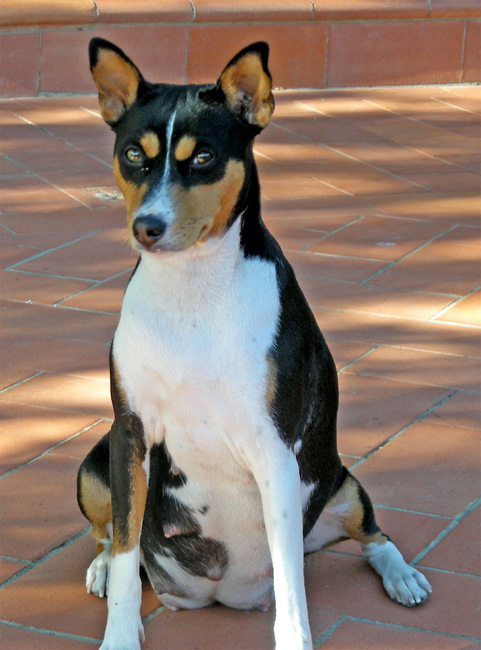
(221, 468)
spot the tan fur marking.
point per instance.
(133, 196)
(352, 520)
(117, 82)
(150, 144)
(185, 148)
(246, 77)
(95, 498)
(138, 483)
(203, 210)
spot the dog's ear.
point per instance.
(116, 77)
(246, 84)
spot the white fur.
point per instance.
(403, 583)
(124, 629)
(191, 349)
(159, 202)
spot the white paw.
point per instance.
(408, 587)
(403, 583)
(98, 573)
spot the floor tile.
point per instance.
(460, 410)
(44, 321)
(438, 267)
(19, 639)
(459, 550)
(378, 238)
(68, 609)
(8, 568)
(369, 299)
(414, 469)
(467, 311)
(28, 431)
(64, 393)
(349, 585)
(365, 422)
(97, 256)
(413, 366)
(377, 329)
(41, 513)
(372, 636)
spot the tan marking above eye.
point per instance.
(150, 144)
(185, 148)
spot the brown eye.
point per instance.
(134, 155)
(202, 157)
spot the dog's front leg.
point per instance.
(128, 484)
(277, 475)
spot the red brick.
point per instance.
(211, 47)
(392, 53)
(20, 64)
(472, 52)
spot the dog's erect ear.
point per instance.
(116, 77)
(246, 84)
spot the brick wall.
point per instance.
(314, 43)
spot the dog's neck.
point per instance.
(198, 275)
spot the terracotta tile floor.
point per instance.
(375, 197)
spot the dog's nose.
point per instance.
(148, 230)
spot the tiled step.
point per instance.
(314, 43)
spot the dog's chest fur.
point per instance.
(192, 349)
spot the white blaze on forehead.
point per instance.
(160, 203)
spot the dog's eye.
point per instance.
(134, 155)
(201, 158)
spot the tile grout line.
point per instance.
(45, 557)
(402, 430)
(22, 381)
(47, 182)
(333, 232)
(348, 156)
(411, 628)
(403, 257)
(452, 524)
(62, 140)
(452, 304)
(94, 285)
(50, 275)
(63, 308)
(52, 250)
(50, 449)
(327, 633)
(359, 358)
(412, 512)
(39, 630)
(455, 573)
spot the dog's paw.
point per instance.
(98, 574)
(403, 583)
(408, 586)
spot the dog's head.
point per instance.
(182, 153)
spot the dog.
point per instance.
(221, 468)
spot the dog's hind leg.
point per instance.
(349, 514)
(93, 494)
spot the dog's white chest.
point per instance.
(192, 356)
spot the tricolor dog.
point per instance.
(221, 468)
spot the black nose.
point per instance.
(148, 230)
